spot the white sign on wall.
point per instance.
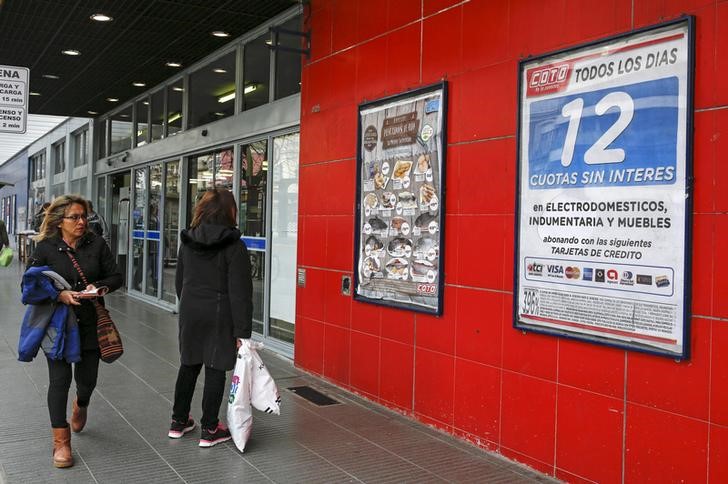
(14, 90)
(604, 206)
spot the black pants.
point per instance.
(211, 395)
(85, 372)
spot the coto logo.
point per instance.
(549, 78)
(426, 288)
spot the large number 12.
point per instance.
(598, 153)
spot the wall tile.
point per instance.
(529, 353)
(528, 416)
(485, 33)
(371, 19)
(442, 45)
(664, 447)
(479, 325)
(719, 139)
(721, 53)
(434, 385)
(340, 242)
(491, 115)
(309, 353)
(430, 7)
(719, 374)
(337, 307)
(703, 264)
(336, 354)
(589, 435)
(345, 15)
(365, 363)
(477, 399)
(340, 187)
(718, 471)
(320, 28)
(398, 325)
(651, 380)
(370, 83)
(704, 162)
(396, 374)
(401, 12)
(366, 317)
(403, 59)
(437, 333)
(480, 260)
(310, 299)
(487, 176)
(720, 262)
(592, 367)
(314, 252)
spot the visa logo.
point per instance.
(555, 269)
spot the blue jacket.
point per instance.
(47, 324)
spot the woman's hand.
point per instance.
(69, 298)
(239, 342)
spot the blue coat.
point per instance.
(47, 324)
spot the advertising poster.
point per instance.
(603, 232)
(399, 217)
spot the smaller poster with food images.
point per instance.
(400, 210)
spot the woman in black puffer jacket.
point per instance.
(215, 290)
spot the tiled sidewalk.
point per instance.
(126, 437)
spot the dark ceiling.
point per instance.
(134, 47)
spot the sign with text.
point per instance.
(603, 207)
(14, 90)
(399, 219)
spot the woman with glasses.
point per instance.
(65, 230)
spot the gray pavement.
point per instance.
(126, 440)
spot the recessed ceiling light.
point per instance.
(146, 103)
(220, 33)
(100, 17)
(269, 42)
(33, 93)
(112, 99)
(173, 64)
(219, 114)
(71, 52)
(178, 89)
(138, 84)
(51, 76)
(123, 115)
(219, 71)
(92, 112)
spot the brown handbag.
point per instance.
(109, 338)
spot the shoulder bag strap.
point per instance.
(78, 267)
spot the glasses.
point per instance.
(76, 217)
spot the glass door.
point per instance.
(154, 234)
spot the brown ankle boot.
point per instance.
(62, 448)
(78, 417)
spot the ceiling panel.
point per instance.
(133, 47)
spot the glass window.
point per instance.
(171, 229)
(253, 188)
(57, 189)
(100, 135)
(284, 236)
(121, 130)
(80, 148)
(200, 179)
(212, 91)
(101, 196)
(256, 72)
(59, 157)
(224, 169)
(288, 64)
(142, 119)
(78, 187)
(157, 117)
(153, 229)
(140, 202)
(174, 107)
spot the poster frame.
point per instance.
(689, 22)
(442, 155)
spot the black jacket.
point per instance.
(98, 265)
(215, 289)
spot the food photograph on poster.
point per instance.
(603, 202)
(400, 188)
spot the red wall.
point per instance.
(566, 408)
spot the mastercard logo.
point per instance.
(573, 272)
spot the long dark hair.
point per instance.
(216, 207)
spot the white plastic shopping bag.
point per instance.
(264, 393)
(239, 412)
